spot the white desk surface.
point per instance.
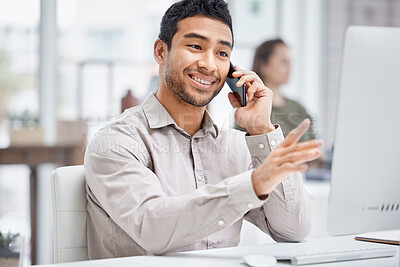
(227, 257)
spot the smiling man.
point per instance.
(163, 177)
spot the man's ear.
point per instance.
(160, 51)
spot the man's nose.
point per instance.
(208, 61)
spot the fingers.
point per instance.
(308, 145)
(252, 81)
(234, 102)
(294, 135)
(298, 153)
(300, 157)
(292, 167)
(250, 91)
(246, 77)
(299, 147)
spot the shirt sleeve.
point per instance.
(131, 194)
(286, 214)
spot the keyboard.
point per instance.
(341, 255)
(321, 251)
(314, 251)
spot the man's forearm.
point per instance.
(286, 214)
(288, 211)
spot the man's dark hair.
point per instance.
(263, 53)
(217, 9)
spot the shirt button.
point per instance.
(250, 205)
(221, 222)
(261, 145)
(273, 142)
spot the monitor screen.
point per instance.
(365, 181)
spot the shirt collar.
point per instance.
(158, 117)
(209, 125)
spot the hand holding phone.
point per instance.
(239, 92)
(256, 99)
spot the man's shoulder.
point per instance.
(125, 137)
(131, 120)
(123, 128)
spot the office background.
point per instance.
(66, 64)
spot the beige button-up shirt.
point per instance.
(152, 188)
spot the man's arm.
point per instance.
(133, 197)
(286, 214)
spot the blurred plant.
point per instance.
(6, 240)
(10, 249)
(25, 119)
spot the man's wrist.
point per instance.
(256, 186)
(262, 130)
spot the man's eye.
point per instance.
(195, 46)
(223, 54)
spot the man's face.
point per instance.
(198, 61)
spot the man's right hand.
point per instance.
(287, 157)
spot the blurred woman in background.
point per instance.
(272, 63)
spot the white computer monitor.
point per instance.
(365, 180)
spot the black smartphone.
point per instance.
(239, 92)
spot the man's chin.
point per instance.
(206, 97)
(197, 100)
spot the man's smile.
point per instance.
(197, 79)
(202, 81)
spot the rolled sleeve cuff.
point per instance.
(261, 145)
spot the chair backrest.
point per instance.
(69, 214)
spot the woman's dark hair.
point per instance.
(263, 53)
(217, 9)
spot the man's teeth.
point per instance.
(200, 80)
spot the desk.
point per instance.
(33, 156)
(226, 257)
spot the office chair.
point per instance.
(69, 214)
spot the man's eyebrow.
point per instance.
(199, 36)
(226, 43)
(196, 35)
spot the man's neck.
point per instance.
(186, 116)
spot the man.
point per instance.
(163, 177)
